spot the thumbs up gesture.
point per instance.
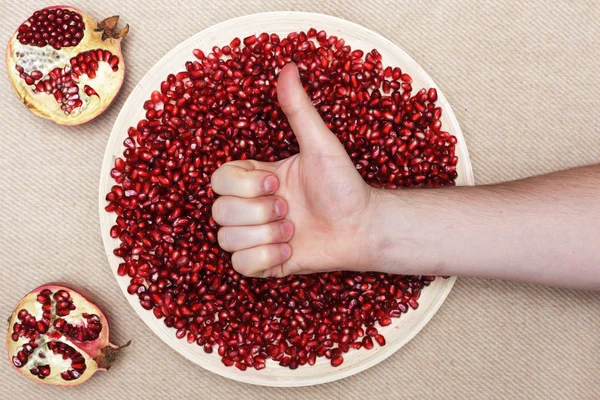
(307, 213)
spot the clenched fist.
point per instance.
(307, 213)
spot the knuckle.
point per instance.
(224, 239)
(236, 262)
(218, 212)
(215, 180)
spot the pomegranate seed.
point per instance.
(337, 361)
(367, 342)
(227, 361)
(432, 95)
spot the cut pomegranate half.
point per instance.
(58, 337)
(64, 65)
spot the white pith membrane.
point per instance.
(46, 59)
(42, 355)
(43, 59)
(75, 106)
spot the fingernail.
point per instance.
(279, 208)
(271, 184)
(286, 231)
(286, 250)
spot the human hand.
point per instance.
(304, 214)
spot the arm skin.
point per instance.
(312, 212)
(542, 230)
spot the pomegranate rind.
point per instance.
(107, 82)
(93, 351)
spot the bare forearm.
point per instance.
(543, 230)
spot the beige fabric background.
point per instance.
(524, 81)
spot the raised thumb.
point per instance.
(313, 135)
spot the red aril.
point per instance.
(337, 361)
(58, 337)
(64, 65)
(223, 107)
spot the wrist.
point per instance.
(399, 235)
(381, 248)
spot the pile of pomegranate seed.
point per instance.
(224, 107)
